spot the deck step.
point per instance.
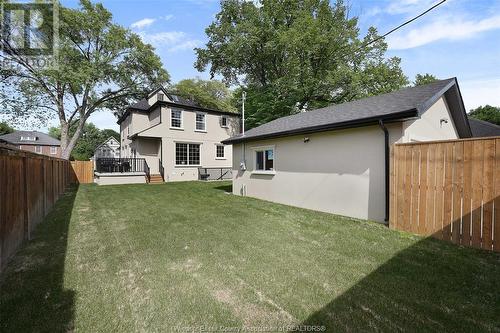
(155, 179)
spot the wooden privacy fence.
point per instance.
(83, 171)
(449, 190)
(30, 185)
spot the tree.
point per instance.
(487, 113)
(102, 66)
(5, 128)
(421, 79)
(88, 142)
(107, 133)
(211, 94)
(292, 56)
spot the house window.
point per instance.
(187, 154)
(176, 120)
(38, 149)
(219, 151)
(53, 150)
(223, 121)
(160, 96)
(28, 138)
(200, 122)
(264, 160)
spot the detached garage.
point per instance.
(335, 159)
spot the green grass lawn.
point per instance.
(189, 255)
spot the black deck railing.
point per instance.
(161, 169)
(113, 165)
(215, 173)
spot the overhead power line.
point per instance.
(401, 25)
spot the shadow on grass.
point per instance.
(32, 295)
(226, 188)
(430, 286)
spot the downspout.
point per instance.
(387, 165)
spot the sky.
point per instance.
(460, 38)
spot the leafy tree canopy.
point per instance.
(101, 66)
(421, 79)
(90, 138)
(487, 113)
(211, 94)
(292, 56)
(5, 128)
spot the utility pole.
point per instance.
(243, 98)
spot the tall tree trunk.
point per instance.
(69, 142)
(64, 138)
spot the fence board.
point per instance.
(496, 204)
(488, 188)
(448, 189)
(467, 196)
(30, 185)
(415, 178)
(477, 182)
(431, 191)
(422, 195)
(448, 178)
(83, 171)
(458, 154)
(437, 231)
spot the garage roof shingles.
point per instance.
(408, 99)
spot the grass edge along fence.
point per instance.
(449, 190)
(30, 185)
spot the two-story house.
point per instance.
(34, 141)
(176, 136)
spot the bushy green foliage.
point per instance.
(487, 113)
(211, 94)
(101, 66)
(5, 128)
(292, 56)
(90, 139)
(421, 79)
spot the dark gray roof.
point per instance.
(42, 139)
(404, 103)
(141, 105)
(175, 100)
(481, 128)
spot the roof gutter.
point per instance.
(387, 164)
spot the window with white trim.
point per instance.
(223, 121)
(38, 149)
(219, 151)
(264, 160)
(176, 118)
(160, 96)
(53, 150)
(28, 138)
(187, 153)
(201, 122)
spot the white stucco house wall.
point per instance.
(177, 137)
(335, 159)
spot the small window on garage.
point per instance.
(264, 159)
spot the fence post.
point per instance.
(44, 171)
(27, 233)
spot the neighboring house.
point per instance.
(481, 128)
(109, 148)
(335, 159)
(176, 136)
(33, 141)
